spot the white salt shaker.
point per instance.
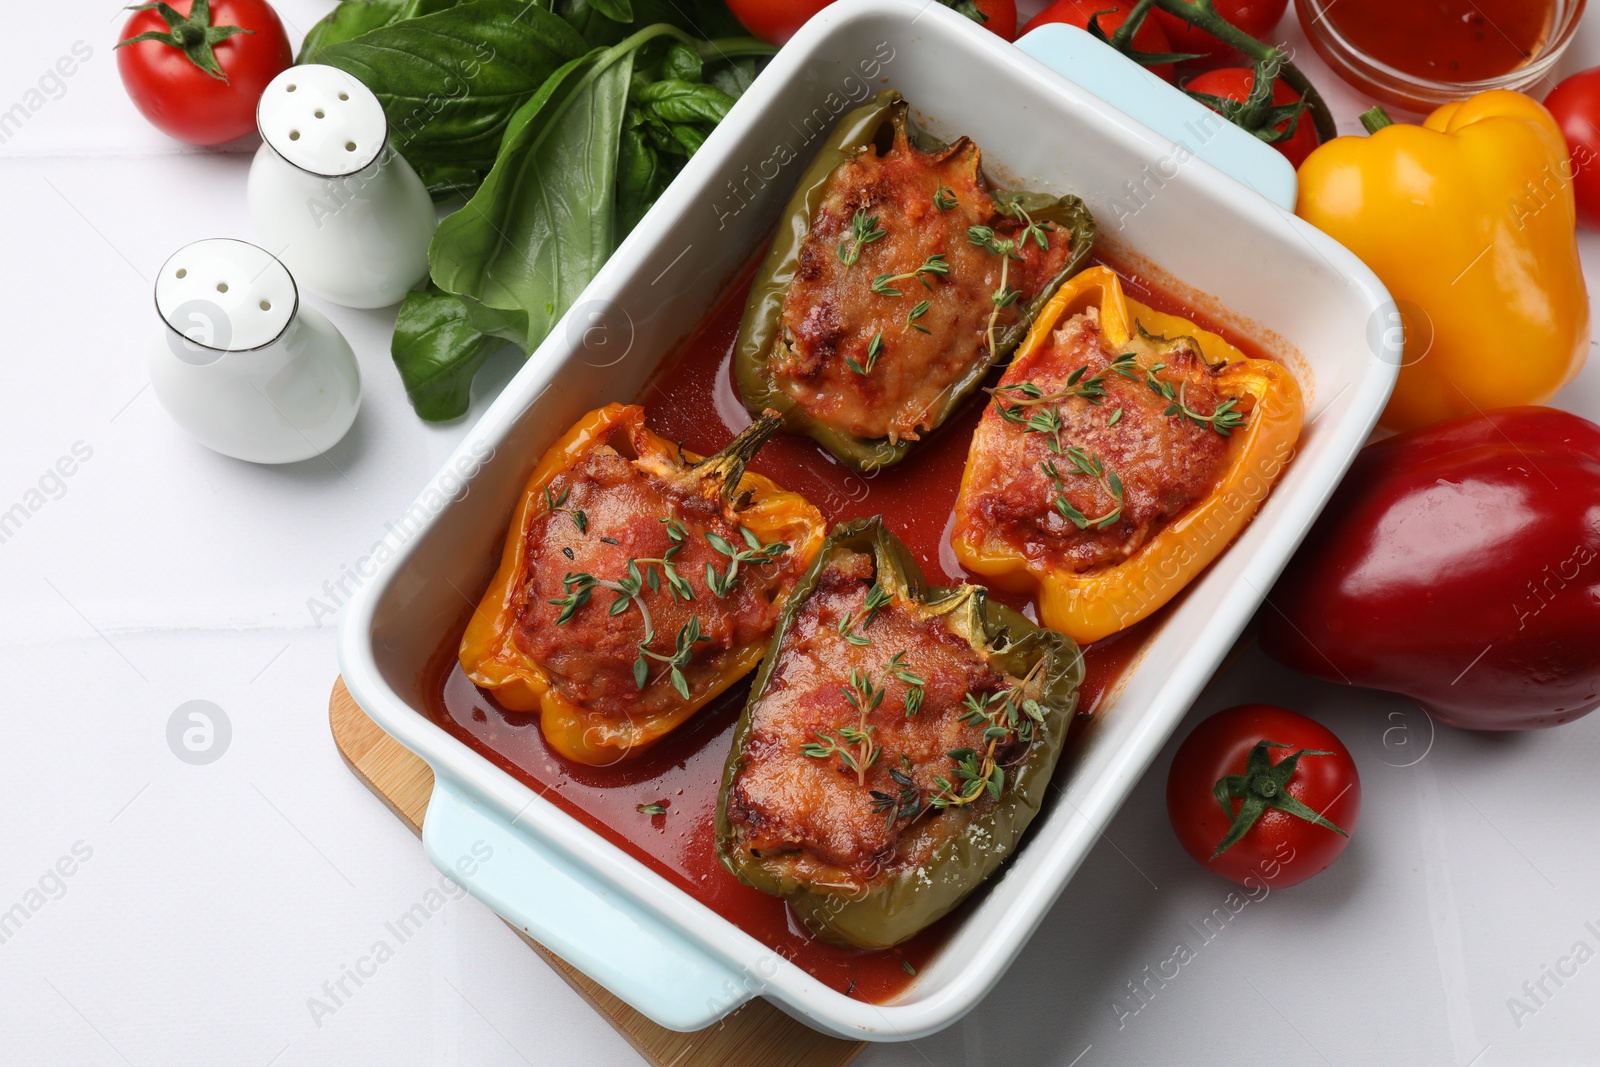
(329, 197)
(242, 365)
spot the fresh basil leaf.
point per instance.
(352, 18)
(733, 77)
(689, 137)
(446, 179)
(438, 351)
(674, 101)
(544, 220)
(596, 29)
(682, 63)
(641, 178)
(450, 81)
(615, 10)
(701, 18)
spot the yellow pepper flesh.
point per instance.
(1469, 221)
(1092, 604)
(489, 654)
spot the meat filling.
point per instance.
(850, 740)
(897, 297)
(1087, 451)
(613, 511)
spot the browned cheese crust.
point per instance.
(831, 313)
(816, 813)
(590, 658)
(1165, 462)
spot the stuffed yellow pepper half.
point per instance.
(1120, 454)
(637, 582)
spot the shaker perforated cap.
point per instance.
(226, 295)
(322, 120)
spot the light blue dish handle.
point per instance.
(1130, 88)
(590, 926)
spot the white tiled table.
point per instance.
(208, 905)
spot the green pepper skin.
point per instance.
(911, 900)
(762, 321)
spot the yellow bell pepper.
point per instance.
(1094, 603)
(631, 716)
(1468, 220)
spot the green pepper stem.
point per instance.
(1376, 119)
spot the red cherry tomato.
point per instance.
(1235, 83)
(1575, 103)
(1280, 847)
(1001, 16)
(182, 97)
(1258, 18)
(1113, 13)
(775, 21)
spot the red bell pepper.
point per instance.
(1460, 565)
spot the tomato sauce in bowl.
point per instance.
(1416, 56)
(692, 399)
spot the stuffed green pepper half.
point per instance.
(897, 743)
(896, 280)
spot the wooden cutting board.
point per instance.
(757, 1033)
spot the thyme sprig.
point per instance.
(1090, 466)
(874, 350)
(651, 573)
(554, 504)
(855, 746)
(755, 553)
(1224, 420)
(944, 199)
(1004, 295)
(916, 686)
(934, 266)
(1005, 715)
(580, 586)
(1038, 231)
(877, 599)
(1080, 384)
(864, 229)
(905, 802)
(683, 651)
(922, 308)
(1013, 402)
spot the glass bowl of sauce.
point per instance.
(1418, 54)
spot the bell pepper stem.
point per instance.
(1376, 119)
(1269, 59)
(727, 466)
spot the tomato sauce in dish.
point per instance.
(692, 399)
(1445, 40)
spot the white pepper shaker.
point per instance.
(330, 197)
(242, 365)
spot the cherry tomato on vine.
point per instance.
(775, 21)
(1150, 38)
(999, 17)
(1258, 18)
(1292, 795)
(196, 68)
(1575, 104)
(1234, 84)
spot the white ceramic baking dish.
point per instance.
(649, 942)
